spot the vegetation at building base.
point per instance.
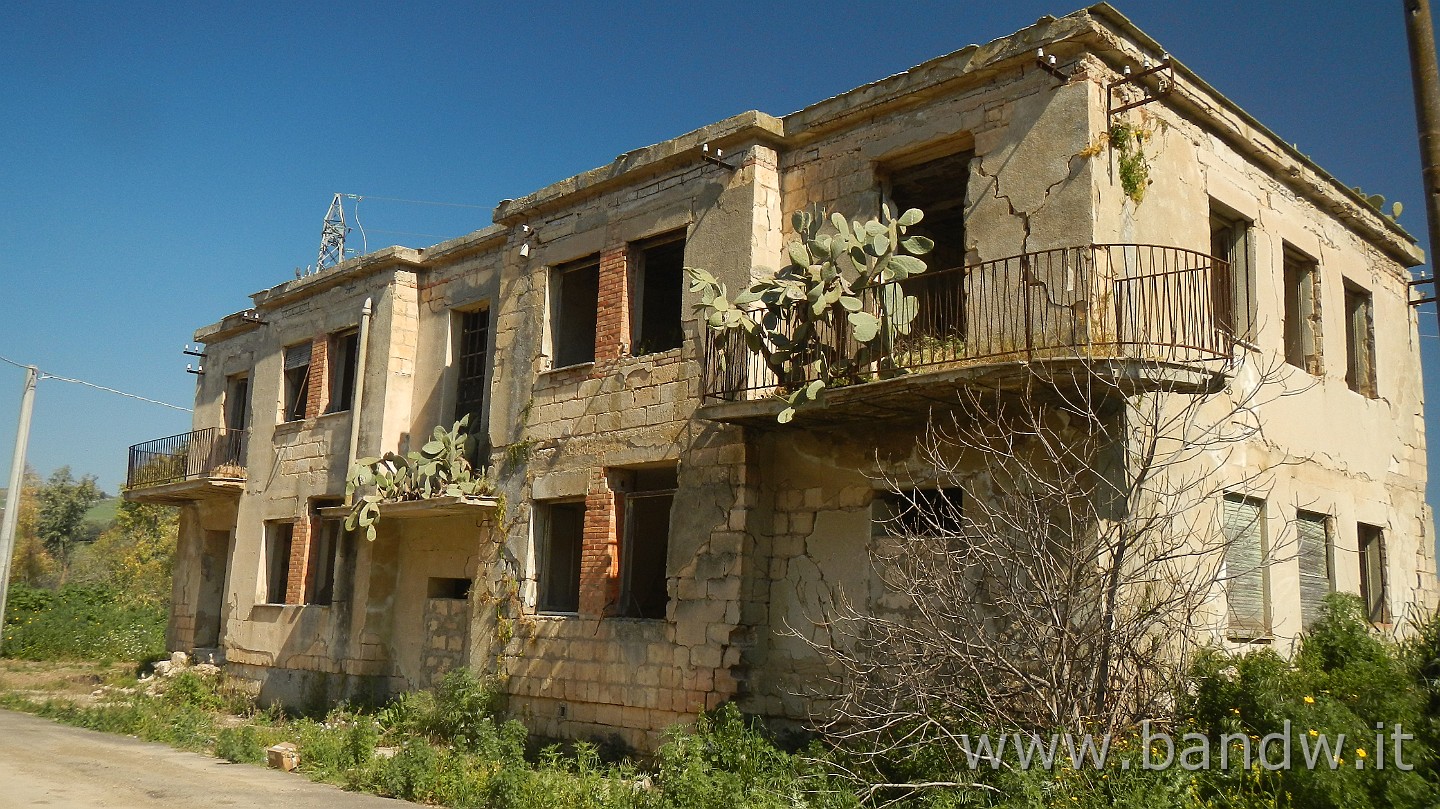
(454, 746)
(83, 586)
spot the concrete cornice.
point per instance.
(972, 65)
(464, 245)
(1203, 103)
(389, 258)
(627, 168)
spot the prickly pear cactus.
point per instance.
(820, 293)
(439, 469)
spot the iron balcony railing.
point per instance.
(210, 452)
(1109, 301)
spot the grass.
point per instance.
(101, 515)
(81, 623)
(451, 746)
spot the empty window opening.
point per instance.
(328, 550)
(1246, 577)
(1231, 287)
(344, 353)
(455, 589)
(237, 402)
(658, 283)
(1302, 311)
(937, 187)
(1317, 578)
(561, 534)
(278, 539)
(919, 513)
(645, 546)
(1372, 573)
(575, 303)
(297, 381)
(1359, 340)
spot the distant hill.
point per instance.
(102, 513)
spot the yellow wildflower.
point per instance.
(1309, 700)
(1360, 751)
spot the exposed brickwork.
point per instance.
(612, 323)
(299, 558)
(318, 397)
(599, 553)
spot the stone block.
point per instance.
(283, 756)
(802, 522)
(705, 658)
(726, 589)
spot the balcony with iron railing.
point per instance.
(1144, 313)
(189, 466)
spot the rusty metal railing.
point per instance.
(187, 456)
(1110, 301)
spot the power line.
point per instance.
(44, 375)
(407, 233)
(418, 201)
(118, 392)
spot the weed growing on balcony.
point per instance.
(1129, 141)
(840, 288)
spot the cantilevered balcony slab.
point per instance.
(919, 396)
(426, 509)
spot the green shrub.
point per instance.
(189, 689)
(726, 761)
(463, 711)
(240, 745)
(80, 623)
(1345, 679)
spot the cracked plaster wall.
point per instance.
(1330, 450)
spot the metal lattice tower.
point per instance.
(332, 236)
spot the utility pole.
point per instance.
(1425, 78)
(12, 495)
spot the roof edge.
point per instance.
(1381, 229)
(751, 125)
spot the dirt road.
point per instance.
(50, 765)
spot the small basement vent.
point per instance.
(458, 589)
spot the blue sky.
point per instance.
(162, 162)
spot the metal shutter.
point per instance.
(1315, 582)
(297, 356)
(1244, 565)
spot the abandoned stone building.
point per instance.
(654, 532)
